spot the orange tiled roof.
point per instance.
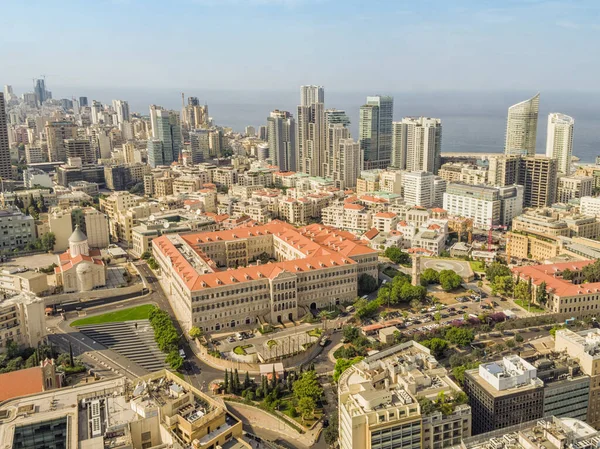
(557, 285)
(373, 199)
(353, 206)
(385, 215)
(21, 383)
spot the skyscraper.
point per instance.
(168, 131)
(559, 140)
(419, 189)
(153, 109)
(83, 102)
(346, 164)
(5, 168)
(8, 93)
(199, 145)
(80, 148)
(195, 116)
(521, 127)
(96, 111)
(282, 140)
(333, 116)
(375, 131)
(40, 91)
(311, 94)
(311, 131)
(121, 107)
(56, 134)
(335, 133)
(417, 144)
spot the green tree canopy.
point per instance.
(396, 255)
(366, 284)
(460, 336)
(430, 276)
(307, 386)
(449, 280)
(496, 269)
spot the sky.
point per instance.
(344, 45)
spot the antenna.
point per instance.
(182, 100)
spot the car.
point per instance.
(451, 309)
(464, 307)
(231, 339)
(182, 353)
(444, 315)
(416, 322)
(508, 333)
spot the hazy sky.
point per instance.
(377, 45)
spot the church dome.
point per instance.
(77, 236)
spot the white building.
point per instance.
(521, 127)
(485, 205)
(23, 320)
(417, 144)
(559, 141)
(33, 177)
(419, 189)
(590, 206)
(573, 187)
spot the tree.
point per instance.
(518, 338)
(437, 316)
(396, 255)
(174, 360)
(449, 280)
(459, 335)
(195, 332)
(306, 407)
(591, 272)
(541, 294)
(331, 432)
(236, 381)
(459, 371)
(430, 276)
(307, 386)
(63, 359)
(415, 304)
(48, 240)
(342, 365)
(366, 284)
(496, 269)
(522, 292)
(247, 381)
(437, 346)
(71, 360)
(226, 381)
(568, 275)
(146, 255)
(502, 285)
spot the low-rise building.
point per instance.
(22, 320)
(21, 280)
(573, 187)
(390, 399)
(16, 229)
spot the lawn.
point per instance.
(241, 350)
(530, 308)
(391, 272)
(271, 343)
(477, 266)
(316, 332)
(133, 313)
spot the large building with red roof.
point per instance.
(564, 296)
(215, 280)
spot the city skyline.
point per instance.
(456, 32)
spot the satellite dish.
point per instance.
(151, 217)
(166, 225)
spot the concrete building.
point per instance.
(559, 141)
(419, 189)
(573, 187)
(17, 228)
(34, 154)
(346, 164)
(585, 347)
(547, 433)
(590, 206)
(417, 144)
(484, 205)
(23, 321)
(33, 177)
(503, 170)
(61, 225)
(94, 224)
(56, 134)
(521, 127)
(21, 280)
(503, 394)
(538, 175)
(158, 410)
(5, 165)
(282, 140)
(317, 267)
(310, 139)
(375, 131)
(382, 402)
(200, 145)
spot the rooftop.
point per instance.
(550, 274)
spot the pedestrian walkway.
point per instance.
(131, 339)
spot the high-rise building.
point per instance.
(282, 140)
(334, 116)
(311, 94)
(80, 148)
(168, 131)
(200, 145)
(419, 189)
(335, 133)
(346, 164)
(153, 114)
(8, 93)
(539, 177)
(573, 187)
(417, 144)
(195, 116)
(263, 133)
(250, 131)
(311, 131)
(503, 170)
(521, 127)
(559, 140)
(96, 112)
(375, 131)
(158, 154)
(83, 102)
(56, 134)
(121, 107)
(40, 91)
(5, 167)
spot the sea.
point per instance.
(473, 121)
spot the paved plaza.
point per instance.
(137, 344)
(460, 267)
